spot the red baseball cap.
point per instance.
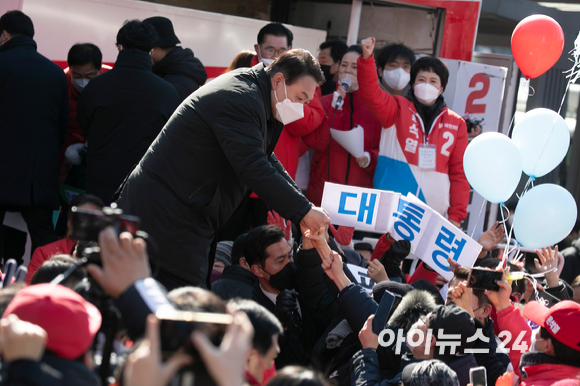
(70, 322)
(561, 320)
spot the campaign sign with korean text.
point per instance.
(442, 240)
(410, 217)
(363, 209)
(362, 277)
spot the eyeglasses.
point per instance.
(270, 51)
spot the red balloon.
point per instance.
(537, 43)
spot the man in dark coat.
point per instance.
(122, 111)
(33, 123)
(214, 151)
(177, 65)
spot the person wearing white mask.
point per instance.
(394, 67)
(422, 141)
(213, 152)
(84, 63)
(330, 161)
(273, 40)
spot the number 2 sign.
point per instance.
(477, 95)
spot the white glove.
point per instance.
(71, 153)
(335, 96)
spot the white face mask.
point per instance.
(80, 84)
(533, 342)
(426, 93)
(266, 62)
(288, 111)
(396, 79)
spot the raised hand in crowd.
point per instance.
(20, 340)
(368, 45)
(275, 219)
(490, 239)
(343, 235)
(500, 299)
(225, 364)
(461, 296)
(318, 239)
(124, 262)
(333, 267)
(548, 264)
(145, 366)
(377, 272)
(368, 339)
(286, 307)
(530, 290)
(315, 219)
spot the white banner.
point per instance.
(361, 276)
(433, 238)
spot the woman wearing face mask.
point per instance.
(394, 67)
(330, 161)
(422, 141)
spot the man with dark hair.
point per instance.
(329, 57)
(177, 65)
(84, 63)
(55, 266)
(237, 279)
(66, 245)
(211, 155)
(33, 118)
(260, 366)
(394, 67)
(122, 112)
(273, 40)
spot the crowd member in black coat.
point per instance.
(293, 291)
(122, 111)
(215, 150)
(237, 279)
(175, 64)
(33, 123)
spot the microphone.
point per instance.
(346, 84)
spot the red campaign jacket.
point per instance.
(446, 189)
(74, 133)
(343, 166)
(41, 254)
(287, 149)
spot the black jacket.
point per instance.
(33, 123)
(215, 149)
(183, 70)
(72, 373)
(236, 282)
(572, 262)
(121, 112)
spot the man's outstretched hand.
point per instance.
(316, 218)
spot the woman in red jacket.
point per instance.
(344, 167)
(422, 142)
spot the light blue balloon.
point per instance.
(543, 138)
(493, 166)
(544, 216)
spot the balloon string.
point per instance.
(533, 91)
(478, 217)
(504, 222)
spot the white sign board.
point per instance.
(476, 89)
(433, 238)
(362, 277)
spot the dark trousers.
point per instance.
(39, 222)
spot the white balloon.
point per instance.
(542, 138)
(493, 166)
(544, 216)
